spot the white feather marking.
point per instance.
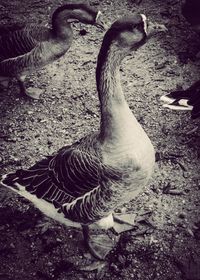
(144, 18)
(69, 205)
(167, 99)
(184, 102)
(40, 183)
(178, 108)
(58, 195)
(54, 191)
(49, 189)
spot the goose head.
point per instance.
(124, 36)
(126, 33)
(129, 33)
(77, 11)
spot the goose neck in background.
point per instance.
(61, 25)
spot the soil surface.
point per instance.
(165, 243)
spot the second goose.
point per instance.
(26, 49)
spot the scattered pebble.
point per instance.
(83, 32)
(190, 232)
(159, 66)
(182, 215)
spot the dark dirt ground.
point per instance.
(166, 241)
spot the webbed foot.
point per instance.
(99, 242)
(29, 92)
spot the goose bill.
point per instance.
(99, 21)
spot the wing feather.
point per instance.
(73, 180)
(16, 41)
(67, 175)
(72, 168)
(37, 57)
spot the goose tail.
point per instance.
(8, 180)
(34, 180)
(11, 181)
(38, 186)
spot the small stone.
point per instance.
(65, 110)
(12, 246)
(190, 232)
(83, 32)
(123, 210)
(43, 121)
(182, 215)
(114, 267)
(14, 159)
(60, 118)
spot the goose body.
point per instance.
(87, 180)
(25, 49)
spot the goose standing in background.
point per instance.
(26, 49)
(189, 99)
(86, 181)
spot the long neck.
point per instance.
(114, 108)
(60, 22)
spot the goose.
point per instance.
(86, 181)
(188, 99)
(24, 49)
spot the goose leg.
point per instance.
(31, 92)
(98, 241)
(22, 88)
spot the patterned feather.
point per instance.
(21, 41)
(72, 180)
(24, 51)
